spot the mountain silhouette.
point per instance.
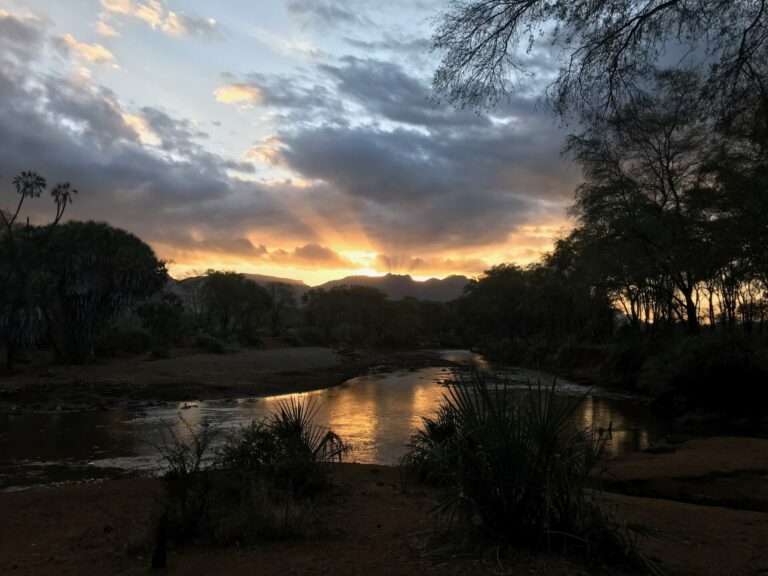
(399, 286)
(395, 286)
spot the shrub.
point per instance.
(210, 344)
(164, 319)
(516, 467)
(258, 485)
(286, 447)
(692, 373)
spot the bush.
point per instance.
(692, 375)
(258, 485)
(125, 342)
(210, 344)
(286, 447)
(164, 319)
(516, 468)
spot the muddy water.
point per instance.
(374, 413)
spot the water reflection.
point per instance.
(375, 413)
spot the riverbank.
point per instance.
(376, 525)
(136, 382)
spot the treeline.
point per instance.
(88, 290)
(225, 309)
(667, 268)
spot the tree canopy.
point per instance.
(607, 48)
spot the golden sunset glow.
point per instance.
(288, 147)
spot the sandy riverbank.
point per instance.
(377, 526)
(193, 376)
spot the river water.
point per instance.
(375, 413)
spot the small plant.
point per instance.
(187, 454)
(287, 447)
(516, 468)
(258, 485)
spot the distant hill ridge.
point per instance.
(395, 286)
(399, 286)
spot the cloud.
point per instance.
(312, 256)
(238, 93)
(359, 170)
(156, 16)
(90, 53)
(141, 169)
(386, 89)
(326, 12)
(21, 36)
(105, 30)
(429, 265)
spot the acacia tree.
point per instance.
(21, 272)
(232, 302)
(645, 185)
(606, 48)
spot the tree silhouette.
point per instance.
(21, 282)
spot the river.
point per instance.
(374, 413)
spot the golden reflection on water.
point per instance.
(374, 413)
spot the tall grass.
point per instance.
(516, 467)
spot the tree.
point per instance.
(282, 302)
(233, 303)
(93, 273)
(21, 317)
(164, 318)
(645, 185)
(607, 48)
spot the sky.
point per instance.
(294, 138)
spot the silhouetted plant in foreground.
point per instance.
(260, 484)
(517, 469)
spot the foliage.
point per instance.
(259, 484)
(516, 467)
(282, 304)
(22, 321)
(210, 344)
(691, 374)
(606, 49)
(94, 273)
(286, 447)
(231, 303)
(164, 318)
